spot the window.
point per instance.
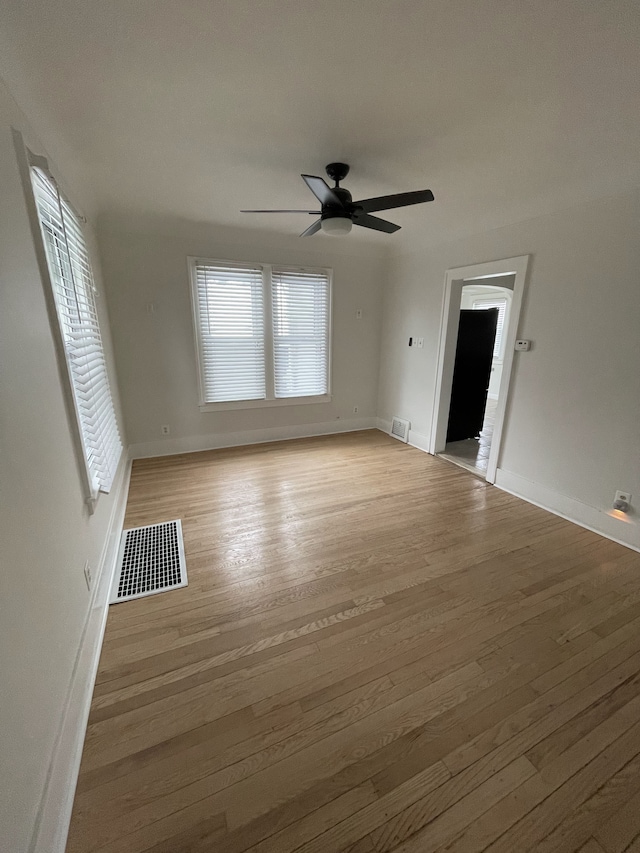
(501, 305)
(300, 307)
(262, 333)
(74, 297)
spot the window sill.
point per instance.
(231, 405)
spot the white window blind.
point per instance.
(263, 333)
(74, 296)
(300, 308)
(230, 320)
(501, 305)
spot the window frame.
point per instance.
(270, 400)
(91, 486)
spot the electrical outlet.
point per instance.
(621, 499)
(165, 429)
(359, 314)
(355, 410)
(87, 575)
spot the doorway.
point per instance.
(484, 317)
(474, 362)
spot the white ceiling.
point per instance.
(506, 109)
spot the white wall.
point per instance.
(46, 532)
(145, 261)
(573, 422)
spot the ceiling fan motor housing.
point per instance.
(330, 211)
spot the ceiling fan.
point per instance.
(338, 212)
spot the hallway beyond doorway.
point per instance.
(473, 453)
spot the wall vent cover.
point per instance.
(150, 560)
(400, 429)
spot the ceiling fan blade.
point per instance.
(321, 190)
(312, 228)
(386, 202)
(313, 212)
(375, 222)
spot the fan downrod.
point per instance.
(337, 172)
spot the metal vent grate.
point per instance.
(151, 560)
(400, 429)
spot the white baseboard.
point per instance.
(597, 520)
(217, 441)
(52, 827)
(419, 440)
(416, 439)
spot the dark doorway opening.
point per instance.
(471, 373)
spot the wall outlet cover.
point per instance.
(623, 496)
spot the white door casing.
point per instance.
(455, 279)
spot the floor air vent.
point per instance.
(400, 429)
(151, 560)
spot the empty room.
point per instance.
(320, 426)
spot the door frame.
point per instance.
(454, 280)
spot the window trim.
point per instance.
(27, 160)
(270, 401)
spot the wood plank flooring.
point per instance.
(376, 652)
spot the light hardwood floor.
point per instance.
(376, 651)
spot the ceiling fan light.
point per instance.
(337, 226)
